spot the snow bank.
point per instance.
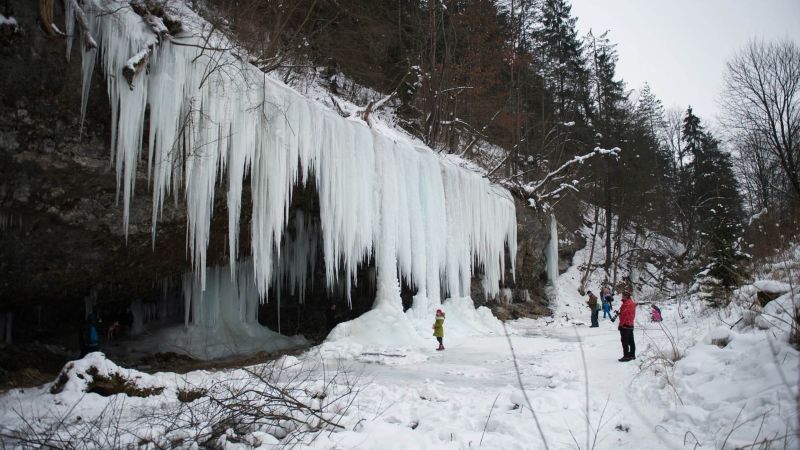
(779, 314)
(388, 331)
(736, 384)
(772, 286)
(735, 395)
(285, 401)
(77, 375)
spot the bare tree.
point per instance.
(758, 171)
(762, 98)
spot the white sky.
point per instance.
(680, 47)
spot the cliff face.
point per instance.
(61, 228)
(524, 294)
(61, 233)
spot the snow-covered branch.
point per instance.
(479, 134)
(539, 193)
(83, 22)
(162, 27)
(361, 113)
(373, 106)
(135, 64)
(535, 187)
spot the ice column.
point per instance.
(551, 253)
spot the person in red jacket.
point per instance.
(627, 315)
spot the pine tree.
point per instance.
(607, 118)
(719, 210)
(711, 203)
(692, 135)
(656, 158)
(562, 63)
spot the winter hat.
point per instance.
(439, 312)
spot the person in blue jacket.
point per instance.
(606, 309)
(92, 335)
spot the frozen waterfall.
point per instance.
(214, 120)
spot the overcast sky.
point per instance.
(680, 46)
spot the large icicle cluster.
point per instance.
(212, 114)
(297, 259)
(221, 318)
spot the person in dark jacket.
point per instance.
(627, 316)
(594, 306)
(330, 316)
(91, 343)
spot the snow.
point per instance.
(431, 399)
(681, 391)
(425, 219)
(777, 313)
(9, 21)
(772, 286)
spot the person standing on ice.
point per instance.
(594, 306)
(607, 295)
(330, 316)
(92, 336)
(655, 314)
(438, 328)
(627, 316)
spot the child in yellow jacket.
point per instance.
(438, 328)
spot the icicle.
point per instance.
(88, 60)
(425, 220)
(551, 252)
(7, 327)
(388, 289)
(69, 25)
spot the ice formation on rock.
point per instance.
(551, 252)
(222, 318)
(211, 114)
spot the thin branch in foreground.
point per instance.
(488, 417)
(585, 383)
(522, 387)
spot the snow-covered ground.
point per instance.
(683, 390)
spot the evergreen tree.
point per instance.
(608, 120)
(710, 202)
(719, 210)
(561, 58)
(656, 158)
(692, 135)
